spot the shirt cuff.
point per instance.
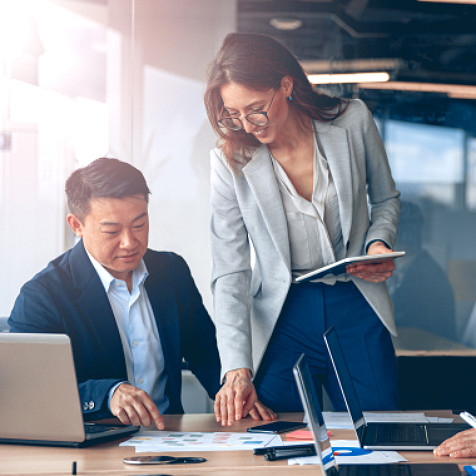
(111, 392)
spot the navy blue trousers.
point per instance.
(309, 310)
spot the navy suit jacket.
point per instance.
(68, 297)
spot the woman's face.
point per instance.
(239, 101)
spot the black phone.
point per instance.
(277, 427)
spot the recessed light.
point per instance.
(285, 23)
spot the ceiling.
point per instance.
(415, 41)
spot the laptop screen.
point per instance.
(343, 376)
(310, 402)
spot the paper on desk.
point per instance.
(393, 417)
(374, 457)
(171, 441)
(342, 421)
(435, 419)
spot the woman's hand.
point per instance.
(462, 445)
(376, 273)
(237, 398)
(262, 412)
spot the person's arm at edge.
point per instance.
(461, 445)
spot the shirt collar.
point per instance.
(139, 275)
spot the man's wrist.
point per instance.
(111, 392)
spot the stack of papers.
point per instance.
(170, 441)
(344, 455)
(342, 421)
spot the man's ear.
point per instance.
(75, 224)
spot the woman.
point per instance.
(289, 182)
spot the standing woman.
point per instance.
(299, 180)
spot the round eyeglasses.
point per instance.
(235, 123)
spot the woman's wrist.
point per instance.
(237, 374)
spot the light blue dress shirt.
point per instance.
(137, 327)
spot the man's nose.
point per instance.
(127, 239)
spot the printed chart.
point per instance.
(167, 441)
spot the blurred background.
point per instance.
(80, 79)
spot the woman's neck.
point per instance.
(296, 133)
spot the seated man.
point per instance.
(132, 314)
(462, 445)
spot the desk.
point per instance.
(106, 459)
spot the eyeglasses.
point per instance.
(236, 124)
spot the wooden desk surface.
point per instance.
(106, 459)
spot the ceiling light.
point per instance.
(349, 65)
(467, 2)
(348, 78)
(455, 90)
(286, 24)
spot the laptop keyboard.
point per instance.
(375, 470)
(410, 434)
(91, 429)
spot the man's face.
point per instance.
(115, 232)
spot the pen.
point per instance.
(286, 452)
(269, 449)
(468, 418)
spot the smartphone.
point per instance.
(162, 459)
(277, 427)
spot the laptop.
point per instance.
(39, 397)
(384, 436)
(323, 446)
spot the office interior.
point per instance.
(81, 79)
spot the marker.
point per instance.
(73, 469)
(468, 418)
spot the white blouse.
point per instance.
(314, 229)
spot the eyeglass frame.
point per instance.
(263, 113)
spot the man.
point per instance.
(132, 314)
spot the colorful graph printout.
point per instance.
(167, 441)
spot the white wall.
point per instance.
(146, 99)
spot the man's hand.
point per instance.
(376, 273)
(133, 406)
(462, 445)
(236, 398)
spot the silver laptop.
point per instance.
(381, 436)
(39, 398)
(323, 446)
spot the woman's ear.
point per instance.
(287, 85)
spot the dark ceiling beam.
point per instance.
(448, 25)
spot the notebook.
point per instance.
(373, 435)
(323, 446)
(39, 397)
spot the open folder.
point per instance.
(339, 267)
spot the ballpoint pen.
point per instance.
(468, 418)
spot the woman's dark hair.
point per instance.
(103, 178)
(260, 62)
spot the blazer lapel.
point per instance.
(262, 180)
(335, 148)
(96, 309)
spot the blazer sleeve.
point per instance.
(231, 277)
(35, 311)
(383, 196)
(198, 340)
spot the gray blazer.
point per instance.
(250, 245)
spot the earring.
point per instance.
(290, 98)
